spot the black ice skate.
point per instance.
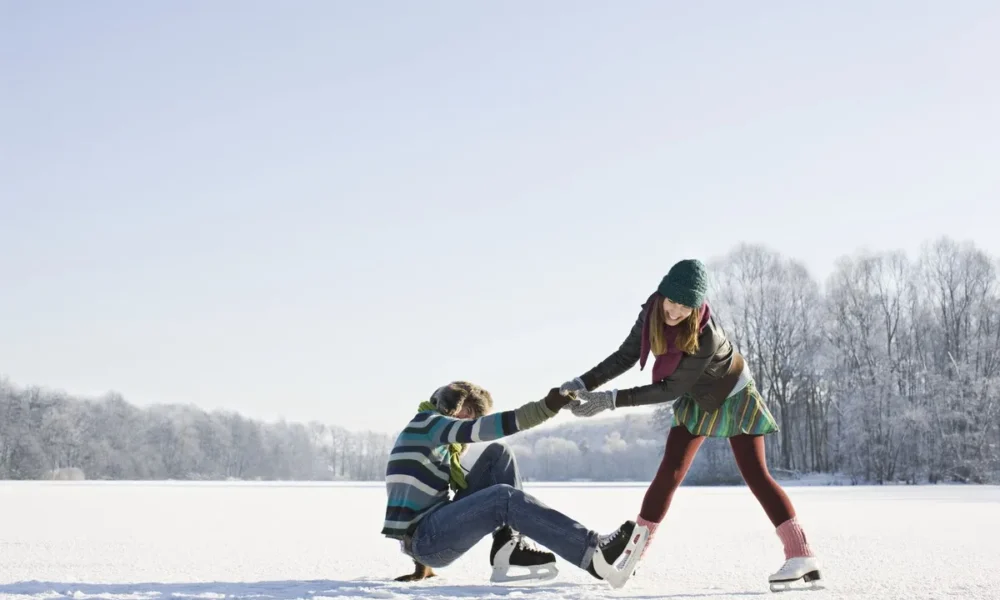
(513, 550)
(618, 554)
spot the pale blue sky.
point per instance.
(324, 210)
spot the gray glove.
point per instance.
(572, 385)
(588, 404)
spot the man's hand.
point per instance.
(419, 572)
(555, 400)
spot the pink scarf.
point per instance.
(665, 364)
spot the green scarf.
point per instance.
(454, 451)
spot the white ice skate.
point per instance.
(514, 552)
(618, 573)
(804, 569)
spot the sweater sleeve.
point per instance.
(442, 429)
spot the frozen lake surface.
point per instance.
(268, 541)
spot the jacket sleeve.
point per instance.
(621, 360)
(688, 371)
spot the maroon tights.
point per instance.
(749, 453)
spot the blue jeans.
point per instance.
(493, 499)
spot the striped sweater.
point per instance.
(416, 477)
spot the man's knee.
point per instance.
(496, 452)
(503, 491)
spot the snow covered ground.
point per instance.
(268, 541)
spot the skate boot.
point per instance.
(804, 569)
(618, 554)
(800, 562)
(511, 549)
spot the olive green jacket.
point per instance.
(709, 375)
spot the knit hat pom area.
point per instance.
(686, 283)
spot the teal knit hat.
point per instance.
(686, 283)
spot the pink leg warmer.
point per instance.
(652, 531)
(794, 539)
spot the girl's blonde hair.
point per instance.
(687, 336)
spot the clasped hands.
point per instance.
(584, 403)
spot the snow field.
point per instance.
(116, 540)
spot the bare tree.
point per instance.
(770, 306)
(868, 331)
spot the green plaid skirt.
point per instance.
(742, 413)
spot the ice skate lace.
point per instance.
(526, 545)
(607, 539)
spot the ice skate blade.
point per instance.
(617, 575)
(536, 573)
(808, 582)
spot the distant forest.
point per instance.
(887, 372)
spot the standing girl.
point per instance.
(698, 369)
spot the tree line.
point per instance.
(42, 432)
(888, 372)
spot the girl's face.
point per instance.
(674, 313)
